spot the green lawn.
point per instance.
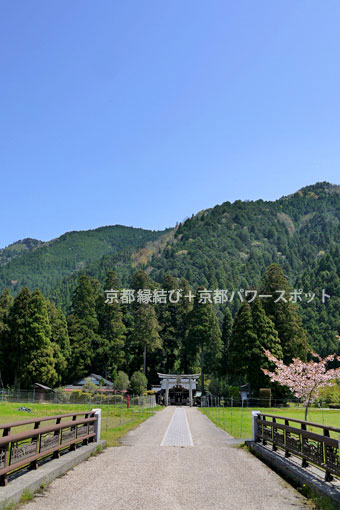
(237, 421)
(116, 419)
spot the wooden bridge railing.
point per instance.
(292, 436)
(25, 448)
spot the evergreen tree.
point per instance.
(19, 322)
(37, 362)
(83, 326)
(284, 314)
(146, 331)
(243, 345)
(6, 303)
(168, 321)
(204, 340)
(227, 327)
(267, 338)
(184, 308)
(60, 340)
(144, 337)
(110, 355)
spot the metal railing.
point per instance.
(293, 436)
(19, 449)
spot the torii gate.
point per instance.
(188, 381)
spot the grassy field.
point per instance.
(116, 420)
(237, 421)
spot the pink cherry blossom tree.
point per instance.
(303, 379)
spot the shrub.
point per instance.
(122, 381)
(80, 397)
(62, 395)
(138, 383)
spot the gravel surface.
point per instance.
(143, 475)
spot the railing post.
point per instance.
(304, 462)
(286, 434)
(254, 416)
(97, 423)
(273, 432)
(328, 476)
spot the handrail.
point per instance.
(318, 449)
(26, 434)
(309, 423)
(29, 446)
(38, 420)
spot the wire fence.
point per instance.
(117, 409)
(234, 416)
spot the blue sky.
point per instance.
(142, 113)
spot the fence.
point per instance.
(26, 447)
(76, 397)
(292, 436)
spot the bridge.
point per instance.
(178, 460)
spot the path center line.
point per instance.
(178, 432)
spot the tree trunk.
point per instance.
(202, 372)
(144, 361)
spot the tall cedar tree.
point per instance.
(168, 322)
(144, 336)
(146, 331)
(6, 302)
(19, 321)
(284, 314)
(110, 354)
(37, 362)
(83, 326)
(60, 340)
(267, 338)
(243, 345)
(227, 327)
(204, 339)
(183, 310)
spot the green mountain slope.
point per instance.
(18, 248)
(231, 245)
(47, 264)
(226, 247)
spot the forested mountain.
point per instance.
(227, 247)
(230, 245)
(18, 248)
(33, 264)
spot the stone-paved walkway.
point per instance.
(178, 432)
(143, 475)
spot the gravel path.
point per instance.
(143, 475)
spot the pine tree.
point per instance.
(284, 314)
(204, 342)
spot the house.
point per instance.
(103, 384)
